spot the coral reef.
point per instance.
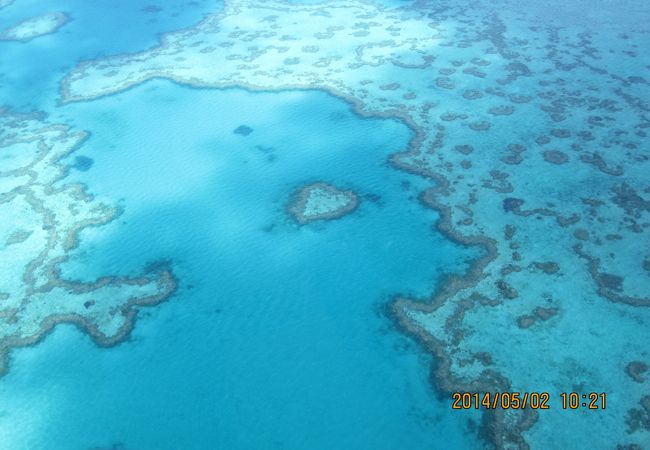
(34, 27)
(46, 219)
(321, 201)
(576, 89)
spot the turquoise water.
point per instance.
(30, 72)
(275, 338)
(535, 114)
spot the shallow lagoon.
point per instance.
(30, 71)
(275, 337)
(213, 202)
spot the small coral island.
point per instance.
(34, 27)
(321, 201)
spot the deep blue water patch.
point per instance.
(243, 130)
(82, 163)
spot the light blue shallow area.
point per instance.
(275, 338)
(30, 71)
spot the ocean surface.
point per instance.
(275, 338)
(280, 335)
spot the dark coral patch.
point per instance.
(561, 133)
(586, 135)
(472, 94)
(373, 198)
(545, 313)
(524, 322)
(639, 418)
(629, 200)
(474, 71)
(519, 98)
(514, 154)
(464, 149)
(598, 161)
(151, 9)
(82, 163)
(18, 237)
(389, 87)
(506, 290)
(539, 313)
(243, 130)
(450, 116)
(445, 83)
(555, 157)
(512, 204)
(635, 370)
(480, 126)
(480, 62)
(503, 110)
(611, 281)
(547, 267)
(581, 234)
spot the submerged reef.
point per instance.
(47, 216)
(321, 201)
(34, 27)
(534, 139)
(243, 130)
